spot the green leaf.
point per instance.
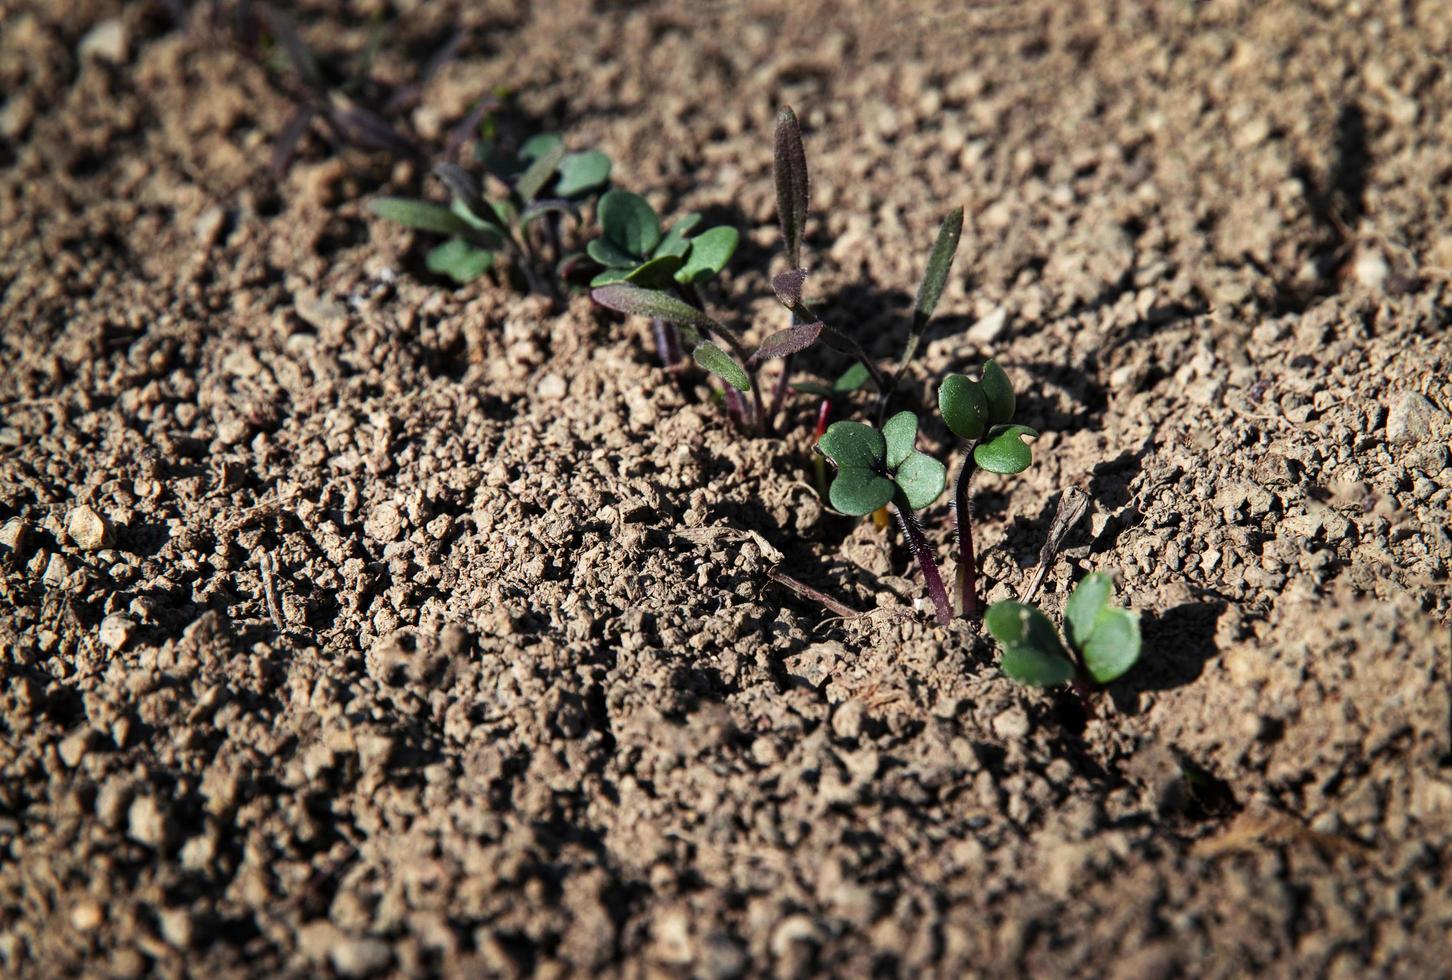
(497, 160)
(1032, 666)
(1085, 604)
(1113, 645)
(675, 241)
(999, 392)
(858, 490)
(539, 173)
(420, 215)
(656, 274)
(487, 233)
(721, 364)
(1032, 653)
(505, 211)
(636, 301)
(790, 172)
(850, 444)
(851, 379)
(459, 260)
(582, 172)
(922, 480)
(610, 255)
(1004, 451)
(629, 222)
(935, 277)
(963, 405)
(550, 206)
(900, 431)
(710, 251)
(608, 276)
(540, 145)
(812, 388)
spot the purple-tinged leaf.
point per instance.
(285, 146)
(791, 183)
(364, 128)
(789, 341)
(635, 301)
(788, 287)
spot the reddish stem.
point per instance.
(963, 522)
(924, 554)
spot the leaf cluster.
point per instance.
(1103, 640)
(633, 248)
(876, 467)
(980, 412)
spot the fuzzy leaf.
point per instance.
(1113, 646)
(675, 241)
(420, 215)
(851, 379)
(710, 251)
(788, 341)
(1086, 602)
(629, 222)
(462, 185)
(900, 431)
(922, 479)
(721, 364)
(582, 172)
(788, 287)
(857, 490)
(1032, 653)
(539, 173)
(540, 145)
(999, 392)
(790, 170)
(963, 405)
(610, 255)
(936, 275)
(852, 444)
(1005, 451)
(609, 276)
(486, 233)
(634, 300)
(658, 273)
(459, 260)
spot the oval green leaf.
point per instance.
(710, 251)
(675, 241)
(459, 260)
(852, 444)
(963, 406)
(1005, 451)
(610, 255)
(935, 277)
(625, 298)
(1014, 622)
(581, 173)
(900, 431)
(999, 392)
(609, 276)
(1113, 646)
(851, 379)
(1032, 666)
(858, 490)
(420, 215)
(721, 364)
(1086, 602)
(658, 273)
(629, 222)
(922, 479)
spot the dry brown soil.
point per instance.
(523, 700)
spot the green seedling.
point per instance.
(1103, 640)
(980, 412)
(881, 467)
(542, 184)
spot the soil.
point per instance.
(357, 623)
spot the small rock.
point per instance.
(360, 957)
(146, 822)
(88, 529)
(671, 932)
(115, 631)
(208, 226)
(848, 720)
(73, 747)
(385, 523)
(1011, 724)
(374, 750)
(1370, 269)
(989, 328)
(87, 916)
(177, 927)
(111, 803)
(16, 117)
(551, 387)
(14, 533)
(1410, 418)
(722, 957)
(105, 42)
(56, 571)
(792, 930)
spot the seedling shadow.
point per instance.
(1178, 643)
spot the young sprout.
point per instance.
(881, 467)
(542, 184)
(1104, 641)
(980, 412)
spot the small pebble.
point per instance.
(105, 42)
(87, 916)
(1410, 418)
(385, 522)
(847, 721)
(88, 529)
(146, 822)
(115, 631)
(360, 957)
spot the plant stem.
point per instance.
(819, 462)
(963, 524)
(667, 344)
(778, 395)
(924, 554)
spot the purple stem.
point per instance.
(924, 554)
(963, 523)
(735, 406)
(667, 343)
(778, 396)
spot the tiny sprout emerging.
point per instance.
(980, 412)
(880, 467)
(1104, 641)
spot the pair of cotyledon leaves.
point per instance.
(1107, 638)
(478, 227)
(980, 412)
(875, 467)
(634, 249)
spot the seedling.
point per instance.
(980, 412)
(1103, 641)
(881, 467)
(541, 184)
